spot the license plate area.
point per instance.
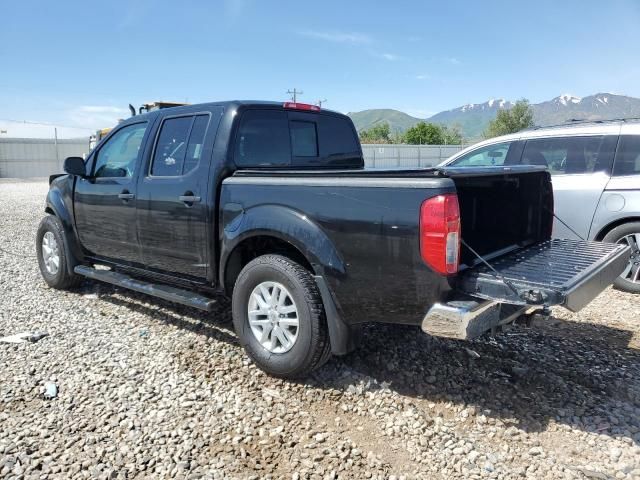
(554, 272)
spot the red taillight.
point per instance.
(440, 233)
(301, 106)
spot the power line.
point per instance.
(320, 102)
(27, 122)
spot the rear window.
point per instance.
(571, 155)
(628, 156)
(263, 139)
(339, 145)
(304, 139)
(273, 138)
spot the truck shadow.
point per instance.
(582, 375)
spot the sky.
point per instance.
(79, 64)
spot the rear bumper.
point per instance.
(468, 319)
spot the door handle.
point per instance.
(189, 199)
(126, 196)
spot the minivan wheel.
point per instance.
(52, 254)
(628, 234)
(279, 317)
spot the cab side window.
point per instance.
(179, 145)
(571, 155)
(119, 155)
(628, 156)
(488, 156)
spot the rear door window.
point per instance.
(263, 139)
(571, 155)
(179, 145)
(196, 143)
(628, 156)
(171, 147)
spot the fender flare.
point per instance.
(307, 237)
(285, 224)
(56, 204)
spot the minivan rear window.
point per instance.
(571, 155)
(628, 156)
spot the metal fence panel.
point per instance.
(406, 156)
(34, 157)
(29, 157)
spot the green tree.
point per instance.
(423, 133)
(380, 133)
(517, 118)
(452, 135)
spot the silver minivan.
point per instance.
(595, 168)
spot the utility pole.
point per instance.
(320, 102)
(294, 94)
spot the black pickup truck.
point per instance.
(270, 204)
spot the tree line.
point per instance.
(512, 120)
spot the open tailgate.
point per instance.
(554, 272)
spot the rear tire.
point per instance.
(628, 234)
(279, 317)
(51, 249)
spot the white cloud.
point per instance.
(390, 56)
(454, 61)
(338, 37)
(96, 116)
(423, 76)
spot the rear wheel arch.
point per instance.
(616, 223)
(255, 246)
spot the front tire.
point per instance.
(279, 317)
(628, 234)
(51, 250)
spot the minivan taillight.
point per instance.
(440, 233)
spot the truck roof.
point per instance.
(231, 104)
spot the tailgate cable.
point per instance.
(530, 297)
(497, 274)
(562, 222)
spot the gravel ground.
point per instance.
(147, 389)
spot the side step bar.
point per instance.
(177, 295)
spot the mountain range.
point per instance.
(473, 118)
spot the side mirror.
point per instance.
(75, 166)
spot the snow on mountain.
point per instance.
(473, 118)
(567, 98)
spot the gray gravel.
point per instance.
(146, 389)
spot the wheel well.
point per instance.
(254, 247)
(615, 224)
